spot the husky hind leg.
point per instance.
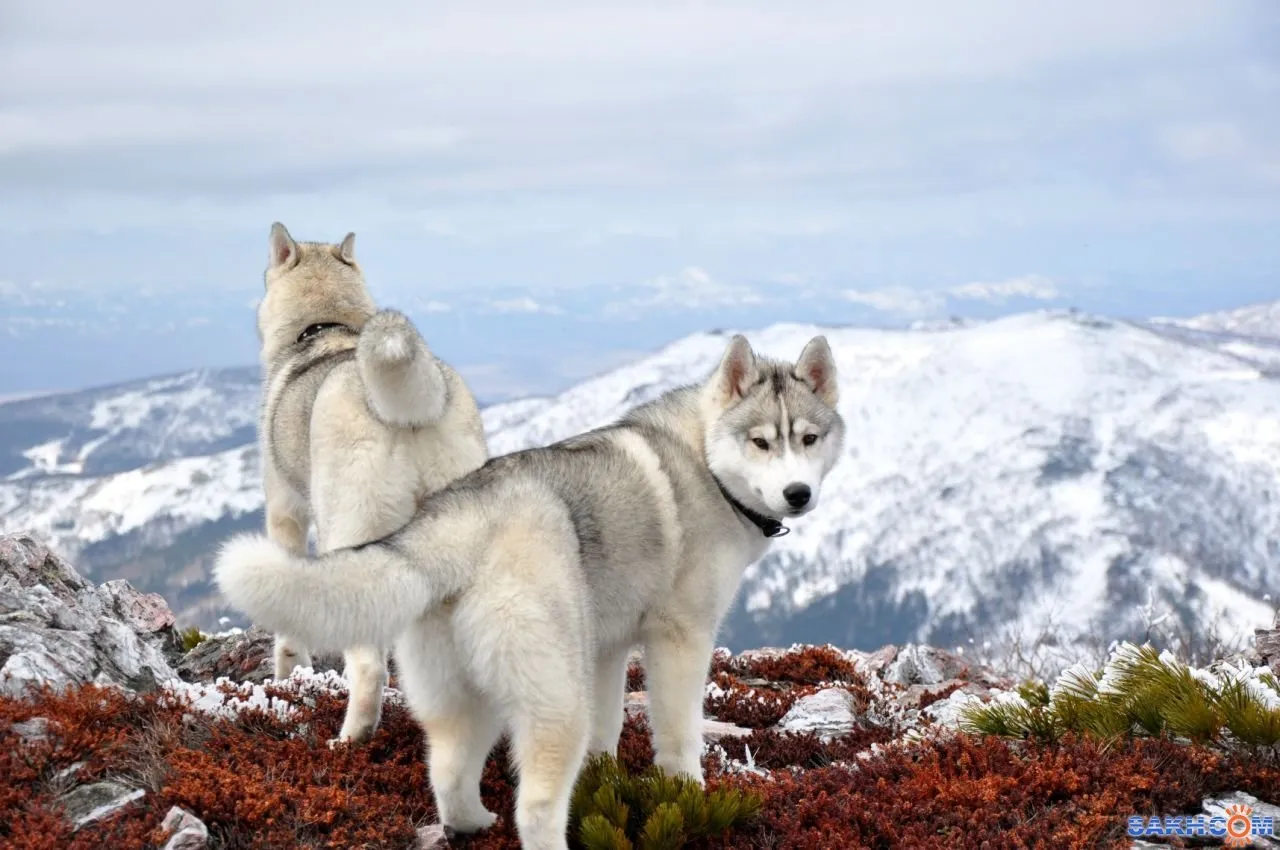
(286, 525)
(526, 635)
(365, 668)
(549, 750)
(458, 745)
(461, 728)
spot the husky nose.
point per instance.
(797, 495)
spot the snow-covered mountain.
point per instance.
(1051, 470)
(1261, 320)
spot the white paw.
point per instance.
(473, 822)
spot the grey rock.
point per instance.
(90, 803)
(57, 628)
(68, 772)
(144, 613)
(242, 656)
(917, 665)
(913, 695)
(32, 731)
(876, 662)
(1267, 645)
(829, 713)
(1218, 805)
(764, 653)
(185, 830)
(913, 667)
(637, 702)
(431, 838)
(716, 730)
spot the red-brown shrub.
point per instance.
(811, 665)
(258, 781)
(751, 708)
(635, 678)
(773, 750)
(942, 693)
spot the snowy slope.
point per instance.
(1043, 468)
(112, 429)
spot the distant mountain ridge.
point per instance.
(1051, 467)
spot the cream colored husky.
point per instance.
(360, 422)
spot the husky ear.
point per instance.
(347, 250)
(737, 370)
(282, 250)
(817, 368)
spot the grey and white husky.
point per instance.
(515, 594)
(359, 423)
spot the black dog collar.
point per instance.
(318, 328)
(768, 526)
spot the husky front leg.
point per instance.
(287, 526)
(676, 665)
(610, 692)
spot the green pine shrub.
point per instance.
(191, 638)
(614, 810)
(1141, 694)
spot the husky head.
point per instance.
(309, 283)
(774, 431)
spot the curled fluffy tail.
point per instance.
(402, 378)
(363, 596)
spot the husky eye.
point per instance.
(809, 439)
(761, 443)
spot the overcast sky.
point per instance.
(550, 188)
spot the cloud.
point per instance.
(898, 300)
(430, 306)
(1226, 147)
(692, 288)
(523, 304)
(1034, 286)
(906, 302)
(564, 97)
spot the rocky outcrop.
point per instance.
(97, 801)
(240, 655)
(59, 629)
(1267, 643)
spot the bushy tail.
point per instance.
(362, 596)
(402, 378)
